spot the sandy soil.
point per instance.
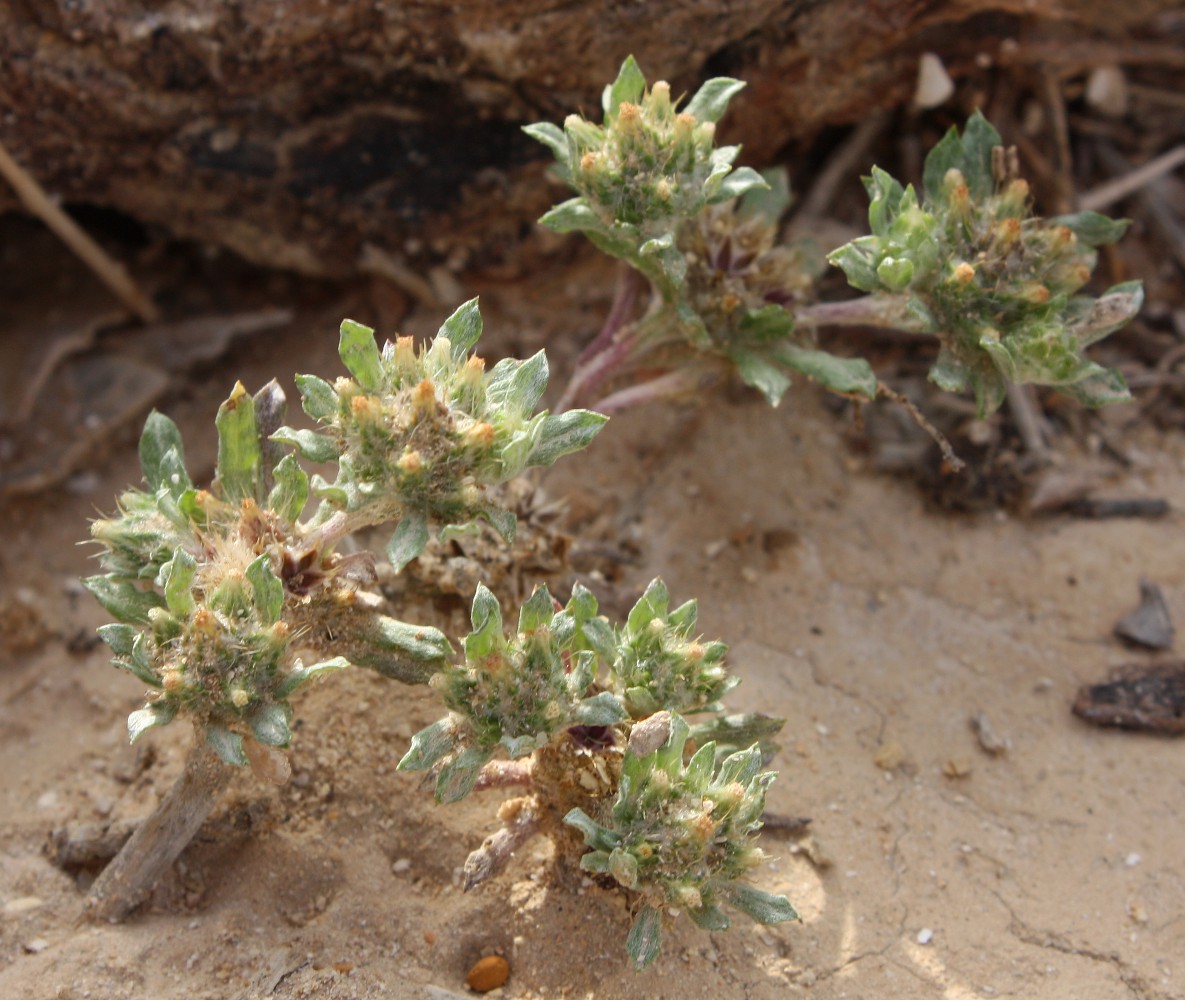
(934, 869)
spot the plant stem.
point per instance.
(674, 383)
(868, 310)
(159, 840)
(520, 819)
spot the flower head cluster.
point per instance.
(649, 162)
(515, 692)
(740, 289)
(418, 436)
(645, 168)
(680, 834)
(659, 663)
(212, 589)
(996, 284)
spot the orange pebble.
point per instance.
(488, 974)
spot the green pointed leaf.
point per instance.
(270, 724)
(502, 521)
(850, 376)
(312, 446)
(710, 918)
(360, 354)
(408, 540)
(162, 455)
(582, 605)
(738, 183)
(947, 153)
(463, 329)
(553, 137)
(857, 261)
(291, 491)
(979, 139)
(1102, 387)
(176, 578)
(629, 86)
(564, 433)
(595, 835)
(596, 862)
(137, 662)
(528, 383)
(1112, 310)
(756, 371)
(228, 746)
(300, 675)
(763, 907)
(652, 604)
(731, 733)
(1092, 228)
(456, 779)
(604, 709)
(124, 600)
(770, 201)
(160, 713)
(318, 397)
(572, 216)
(684, 616)
(711, 100)
(536, 611)
(267, 588)
(119, 637)
(430, 745)
(623, 866)
(644, 941)
(238, 446)
(486, 613)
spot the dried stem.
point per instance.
(948, 453)
(679, 382)
(504, 774)
(520, 819)
(109, 271)
(161, 837)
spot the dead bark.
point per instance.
(161, 838)
(296, 134)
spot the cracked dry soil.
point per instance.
(934, 869)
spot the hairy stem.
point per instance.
(159, 840)
(868, 310)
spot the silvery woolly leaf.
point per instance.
(160, 713)
(711, 100)
(239, 453)
(360, 354)
(162, 455)
(463, 329)
(228, 745)
(644, 940)
(629, 86)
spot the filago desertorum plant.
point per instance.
(227, 603)
(229, 599)
(966, 261)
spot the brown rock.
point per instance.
(488, 974)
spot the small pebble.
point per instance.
(488, 974)
(401, 865)
(35, 946)
(1132, 860)
(889, 756)
(925, 935)
(22, 904)
(957, 767)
